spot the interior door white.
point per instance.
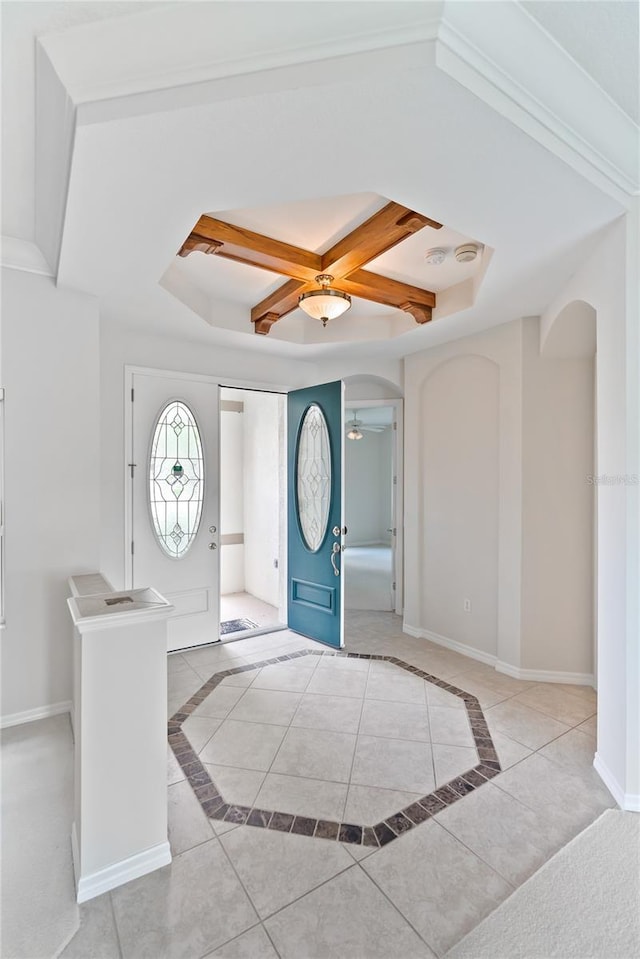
(175, 500)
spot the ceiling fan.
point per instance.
(356, 428)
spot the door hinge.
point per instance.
(132, 466)
(132, 393)
(1, 394)
(393, 586)
(395, 480)
(132, 547)
(395, 426)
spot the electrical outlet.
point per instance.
(466, 605)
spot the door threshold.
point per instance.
(247, 633)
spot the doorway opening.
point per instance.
(252, 513)
(372, 507)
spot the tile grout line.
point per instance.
(355, 747)
(242, 885)
(115, 923)
(277, 753)
(325, 882)
(268, 935)
(477, 855)
(431, 742)
(535, 749)
(547, 715)
(394, 906)
(227, 942)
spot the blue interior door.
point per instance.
(315, 523)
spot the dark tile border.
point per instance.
(383, 832)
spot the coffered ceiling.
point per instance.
(396, 280)
(300, 129)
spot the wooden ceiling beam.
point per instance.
(382, 289)
(381, 232)
(344, 261)
(281, 301)
(254, 249)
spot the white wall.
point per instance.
(232, 579)
(504, 509)
(263, 454)
(50, 370)
(557, 509)
(459, 415)
(480, 394)
(368, 476)
(609, 282)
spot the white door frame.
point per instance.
(129, 373)
(398, 488)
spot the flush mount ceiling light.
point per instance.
(324, 304)
(436, 256)
(466, 253)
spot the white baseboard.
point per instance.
(545, 675)
(88, 887)
(30, 715)
(626, 801)
(530, 675)
(462, 648)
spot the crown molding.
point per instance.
(495, 51)
(192, 44)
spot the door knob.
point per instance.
(212, 546)
(337, 530)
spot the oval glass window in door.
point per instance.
(176, 479)
(313, 469)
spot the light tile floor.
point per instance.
(237, 891)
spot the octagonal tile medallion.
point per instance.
(353, 767)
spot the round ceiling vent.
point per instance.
(436, 256)
(466, 253)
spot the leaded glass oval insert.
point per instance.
(176, 479)
(313, 468)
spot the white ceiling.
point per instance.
(22, 22)
(603, 37)
(381, 416)
(273, 151)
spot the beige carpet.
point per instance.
(39, 911)
(583, 904)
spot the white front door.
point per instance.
(175, 500)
